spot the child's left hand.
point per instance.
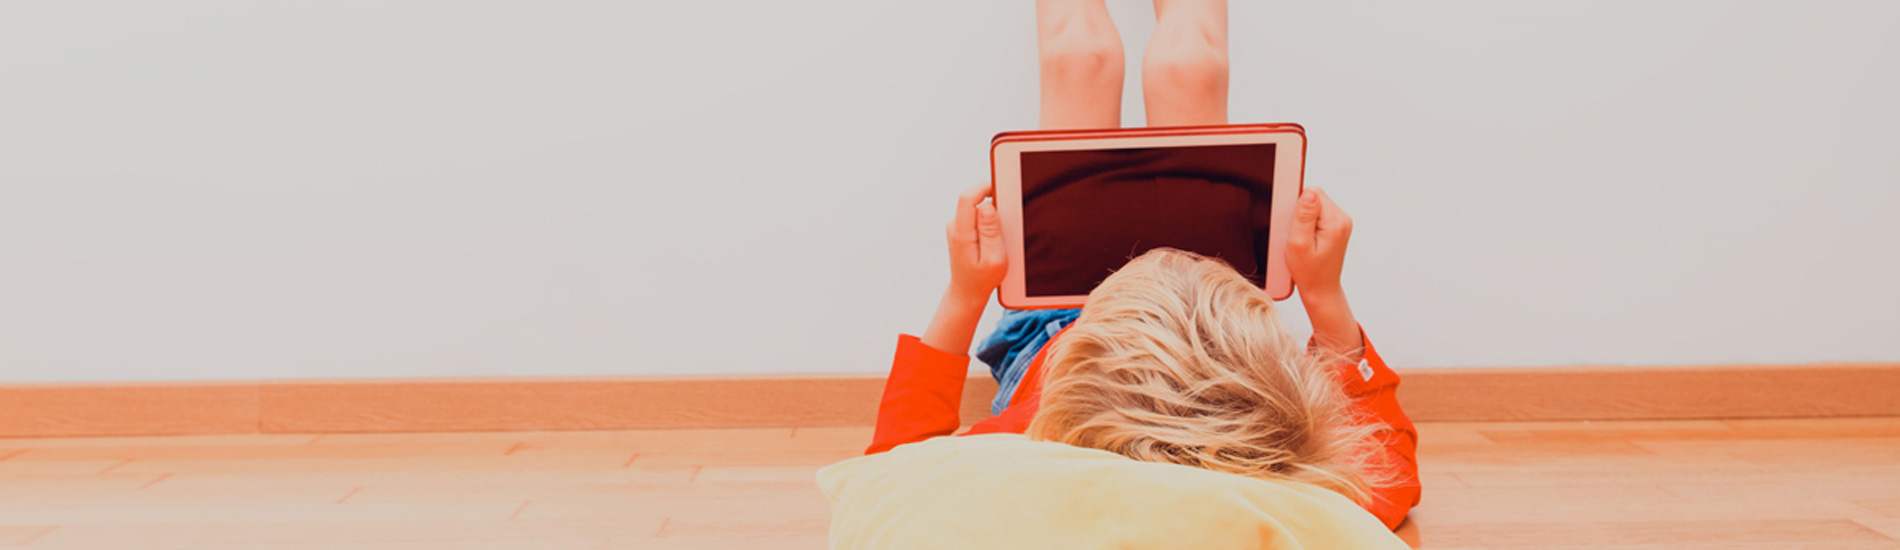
(1315, 254)
(1316, 244)
(975, 235)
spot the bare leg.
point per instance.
(1184, 72)
(1082, 65)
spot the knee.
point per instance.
(1189, 64)
(1082, 57)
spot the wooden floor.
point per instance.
(1807, 484)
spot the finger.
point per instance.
(1332, 218)
(989, 229)
(976, 193)
(983, 190)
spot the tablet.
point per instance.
(1076, 205)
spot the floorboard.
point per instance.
(1823, 484)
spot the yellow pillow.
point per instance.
(1005, 491)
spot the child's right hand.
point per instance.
(975, 235)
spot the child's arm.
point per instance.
(1316, 252)
(922, 397)
(1374, 392)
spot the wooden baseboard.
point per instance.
(51, 410)
(603, 403)
(1631, 393)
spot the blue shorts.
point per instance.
(1019, 334)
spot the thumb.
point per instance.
(1305, 221)
(989, 229)
(987, 224)
(1307, 212)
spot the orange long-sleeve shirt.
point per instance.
(923, 395)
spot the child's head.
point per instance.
(1177, 358)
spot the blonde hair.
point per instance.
(1178, 359)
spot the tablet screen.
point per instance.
(1087, 212)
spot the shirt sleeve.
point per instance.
(1373, 388)
(923, 397)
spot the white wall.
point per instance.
(250, 189)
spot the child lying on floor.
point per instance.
(1177, 358)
